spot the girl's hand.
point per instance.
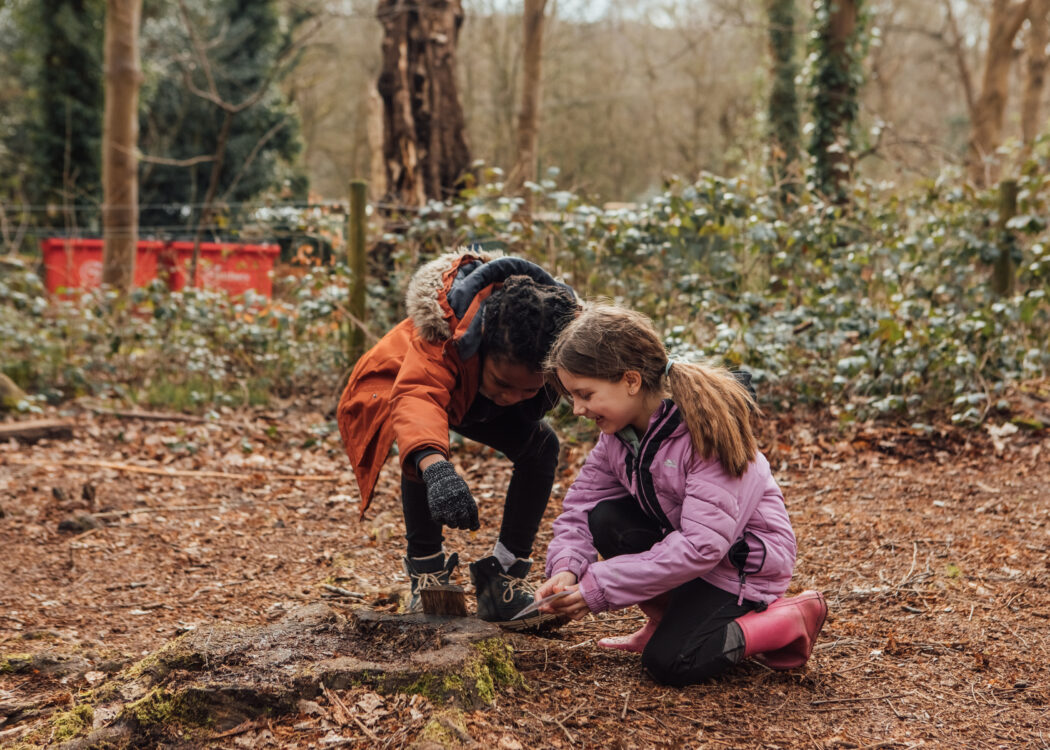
(573, 605)
(555, 583)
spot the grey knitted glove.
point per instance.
(449, 498)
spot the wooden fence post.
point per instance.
(356, 260)
(1003, 271)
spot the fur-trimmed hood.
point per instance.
(446, 295)
(425, 292)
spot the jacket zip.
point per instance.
(640, 465)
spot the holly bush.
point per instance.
(883, 306)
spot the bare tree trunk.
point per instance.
(528, 118)
(424, 144)
(1004, 23)
(120, 213)
(1038, 37)
(376, 168)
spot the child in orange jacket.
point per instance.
(469, 358)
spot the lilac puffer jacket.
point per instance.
(707, 517)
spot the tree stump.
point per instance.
(212, 680)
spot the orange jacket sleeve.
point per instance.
(420, 399)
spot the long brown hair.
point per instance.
(605, 342)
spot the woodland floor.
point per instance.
(931, 550)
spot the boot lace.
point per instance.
(515, 585)
(426, 580)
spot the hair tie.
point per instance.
(667, 367)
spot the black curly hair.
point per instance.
(523, 318)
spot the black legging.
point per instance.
(696, 638)
(533, 449)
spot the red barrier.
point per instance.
(77, 263)
(232, 267)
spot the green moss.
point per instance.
(15, 663)
(494, 668)
(173, 655)
(72, 723)
(501, 662)
(491, 668)
(437, 729)
(162, 707)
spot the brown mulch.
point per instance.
(930, 547)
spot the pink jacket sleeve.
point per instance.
(710, 517)
(572, 547)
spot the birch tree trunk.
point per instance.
(987, 132)
(424, 145)
(528, 118)
(1038, 38)
(123, 77)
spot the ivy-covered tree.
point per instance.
(783, 98)
(216, 128)
(838, 52)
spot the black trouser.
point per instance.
(533, 449)
(696, 638)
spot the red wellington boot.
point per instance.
(782, 635)
(635, 642)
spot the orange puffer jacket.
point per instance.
(423, 375)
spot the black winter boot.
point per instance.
(502, 594)
(424, 572)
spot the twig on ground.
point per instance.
(181, 473)
(149, 416)
(342, 592)
(217, 587)
(859, 698)
(161, 509)
(462, 736)
(371, 735)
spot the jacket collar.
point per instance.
(630, 437)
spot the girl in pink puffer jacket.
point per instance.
(680, 506)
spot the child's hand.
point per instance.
(555, 583)
(572, 606)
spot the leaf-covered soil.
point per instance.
(930, 548)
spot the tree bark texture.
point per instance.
(120, 211)
(783, 98)
(1035, 78)
(986, 136)
(529, 115)
(424, 145)
(835, 96)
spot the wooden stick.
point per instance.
(854, 700)
(36, 429)
(366, 730)
(149, 416)
(162, 509)
(134, 469)
(342, 592)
